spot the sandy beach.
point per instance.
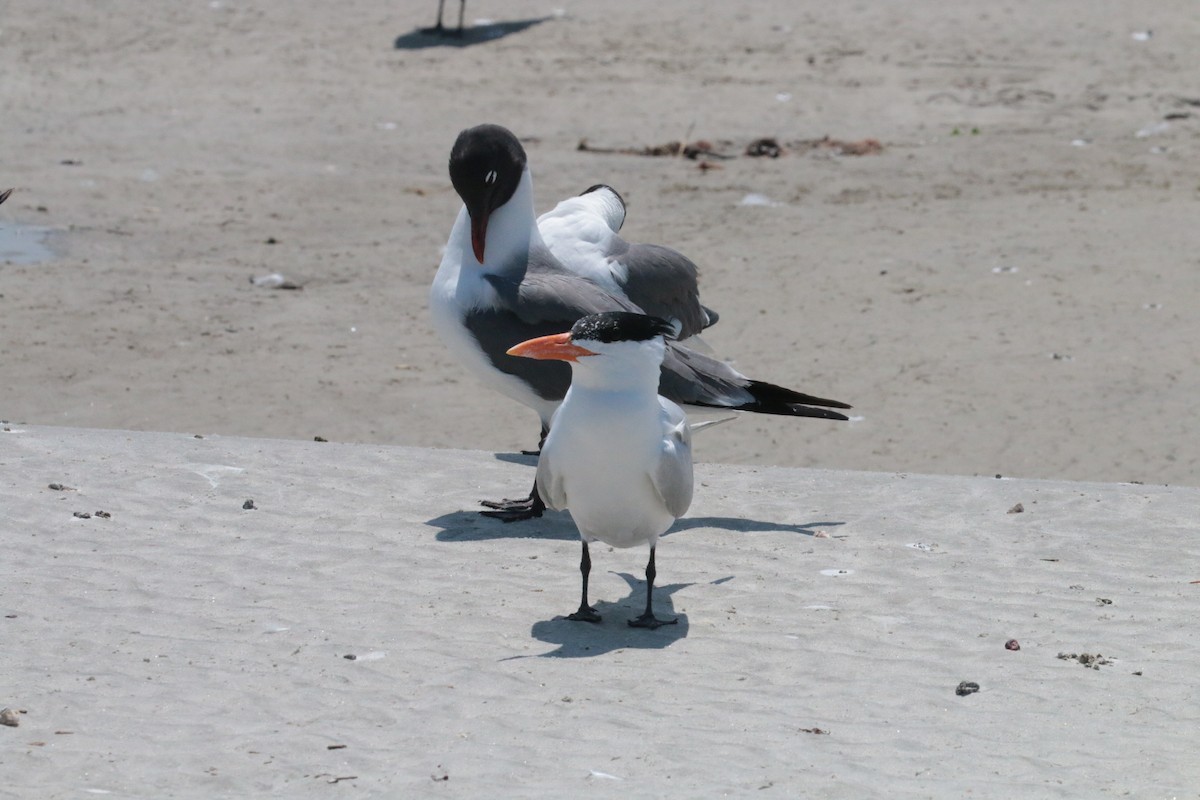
(1011, 286)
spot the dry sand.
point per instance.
(186, 647)
(1012, 286)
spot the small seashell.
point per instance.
(1012, 644)
(10, 718)
(271, 281)
(755, 199)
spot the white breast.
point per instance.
(459, 288)
(605, 450)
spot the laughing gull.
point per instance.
(498, 285)
(581, 232)
(618, 456)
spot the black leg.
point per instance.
(516, 510)
(585, 613)
(541, 441)
(647, 619)
(440, 29)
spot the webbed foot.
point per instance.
(585, 614)
(652, 622)
(514, 510)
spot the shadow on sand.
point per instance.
(469, 526)
(425, 38)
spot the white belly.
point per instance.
(606, 467)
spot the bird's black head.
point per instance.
(486, 163)
(620, 326)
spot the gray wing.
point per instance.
(663, 282)
(694, 379)
(672, 476)
(546, 301)
(691, 378)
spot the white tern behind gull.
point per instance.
(498, 285)
(618, 456)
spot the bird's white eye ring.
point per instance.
(490, 177)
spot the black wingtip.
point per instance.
(816, 413)
(4, 195)
(772, 399)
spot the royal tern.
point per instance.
(618, 456)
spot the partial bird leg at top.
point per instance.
(647, 619)
(585, 613)
(508, 510)
(439, 29)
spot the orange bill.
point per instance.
(557, 347)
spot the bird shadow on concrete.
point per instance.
(471, 526)
(747, 525)
(590, 639)
(525, 459)
(425, 38)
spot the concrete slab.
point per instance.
(361, 625)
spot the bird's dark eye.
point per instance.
(490, 178)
